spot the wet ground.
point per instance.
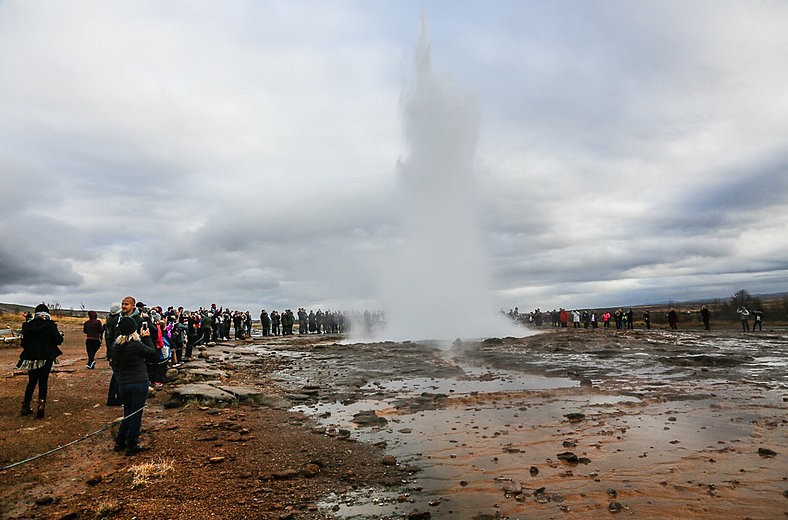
(652, 424)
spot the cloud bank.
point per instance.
(247, 155)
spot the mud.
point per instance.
(655, 424)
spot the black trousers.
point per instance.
(38, 377)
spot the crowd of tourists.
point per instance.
(621, 319)
(143, 342)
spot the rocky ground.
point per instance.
(651, 424)
(206, 459)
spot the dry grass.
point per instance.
(147, 471)
(107, 508)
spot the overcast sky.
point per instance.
(245, 153)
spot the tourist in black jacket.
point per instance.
(129, 355)
(40, 340)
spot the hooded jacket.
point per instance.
(40, 340)
(93, 327)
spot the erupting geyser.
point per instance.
(437, 284)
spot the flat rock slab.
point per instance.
(277, 402)
(201, 391)
(207, 372)
(241, 393)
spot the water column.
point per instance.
(437, 285)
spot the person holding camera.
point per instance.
(128, 309)
(129, 356)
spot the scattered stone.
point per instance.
(310, 390)
(419, 515)
(569, 444)
(568, 456)
(284, 474)
(534, 471)
(369, 418)
(389, 460)
(273, 401)
(44, 501)
(311, 470)
(766, 452)
(95, 479)
(541, 498)
(464, 483)
(513, 488)
(575, 417)
(216, 460)
(586, 381)
(615, 507)
(612, 492)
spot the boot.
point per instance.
(26, 410)
(41, 406)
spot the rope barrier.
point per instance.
(84, 437)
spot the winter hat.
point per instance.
(114, 308)
(127, 326)
(42, 308)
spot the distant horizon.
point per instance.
(725, 299)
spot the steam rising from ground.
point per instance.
(437, 284)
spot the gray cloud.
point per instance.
(627, 153)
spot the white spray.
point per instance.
(437, 286)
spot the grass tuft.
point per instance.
(148, 471)
(105, 509)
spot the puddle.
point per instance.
(480, 431)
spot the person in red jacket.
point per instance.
(93, 329)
